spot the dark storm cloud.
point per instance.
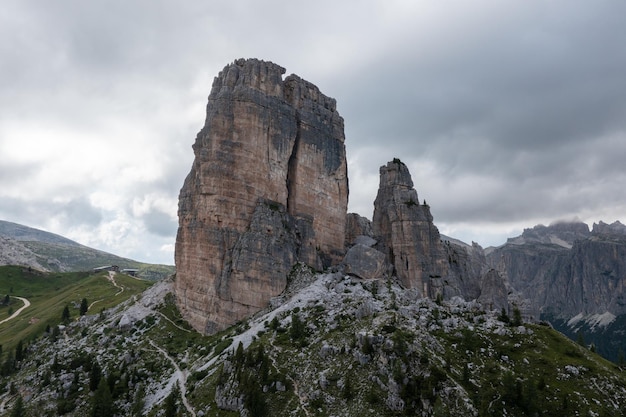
(522, 118)
(506, 113)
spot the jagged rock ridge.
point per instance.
(268, 188)
(406, 229)
(567, 270)
(420, 258)
(574, 278)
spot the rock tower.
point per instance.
(268, 188)
(409, 237)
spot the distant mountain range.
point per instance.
(574, 277)
(45, 251)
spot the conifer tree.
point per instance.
(65, 316)
(139, 401)
(517, 317)
(84, 307)
(95, 375)
(102, 405)
(171, 402)
(18, 408)
(19, 351)
(297, 331)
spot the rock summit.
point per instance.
(268, 188)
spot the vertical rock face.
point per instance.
(356, 226)
(268, 188)
(405, 227)
(566, 270)
(413, 245)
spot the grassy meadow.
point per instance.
(49, 293)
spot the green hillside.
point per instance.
(338, 347)
(49, 293)
(51, 252)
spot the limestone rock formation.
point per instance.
(566, 270)
(494, 295)
(357, 225)
(406, 230)
(561, 234)
(420, 258)
(268, 188)
(615, 229)
(365, 262)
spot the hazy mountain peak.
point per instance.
(560, 233)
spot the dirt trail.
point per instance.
(111, 278)
(19, 310)
(173, 324)
(115, 284)
(296, 388)
(181, 376)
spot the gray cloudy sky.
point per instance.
(508, 114)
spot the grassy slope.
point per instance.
(49, 293)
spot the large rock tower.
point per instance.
(268, 188)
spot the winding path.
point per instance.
(115, 284)
(111, 278)
(180, 375)
(19, 310)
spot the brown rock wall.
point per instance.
(267, 188)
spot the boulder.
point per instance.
(365, 262)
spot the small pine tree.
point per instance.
(439, 299)
(255, 401)
(94, 376)
(347, 392)
(56, 332)
(367, 347)
(19, 351)
(297, 331)
(517, 317)
(18, 408)
(274, 324)
(239, 355)
(65, 316)
(8, 366)
(171, 402)
(84, 307)
(102, 404)
(503, 317)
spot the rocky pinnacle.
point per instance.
(268, 188)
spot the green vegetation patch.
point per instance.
(50, 294)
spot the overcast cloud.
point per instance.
(508, 114)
